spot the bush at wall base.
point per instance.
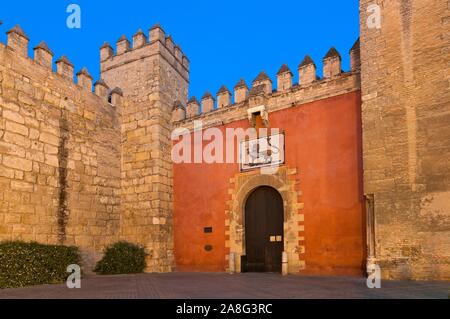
(122, 258)
(27, 264)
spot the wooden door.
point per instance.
(264, 235)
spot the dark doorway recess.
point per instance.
(264, 235)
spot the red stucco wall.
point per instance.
(323, 141)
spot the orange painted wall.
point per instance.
(323, 141)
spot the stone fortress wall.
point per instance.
(88, 168)
(108, 171)
(59, 151)
(406, 136)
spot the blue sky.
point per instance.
(224, 40)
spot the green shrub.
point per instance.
(122, 258)
(26, 264)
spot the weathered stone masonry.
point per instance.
(59, 152)
(66, 152)
(406, 135)
(153, 75)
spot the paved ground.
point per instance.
(225, 286)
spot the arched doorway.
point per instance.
(264, 231)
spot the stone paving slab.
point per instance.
(226, 286)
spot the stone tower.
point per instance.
(406, 135)
(153, 75)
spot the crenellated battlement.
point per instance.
(18, 43)
(142, 47)
(310, 87)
